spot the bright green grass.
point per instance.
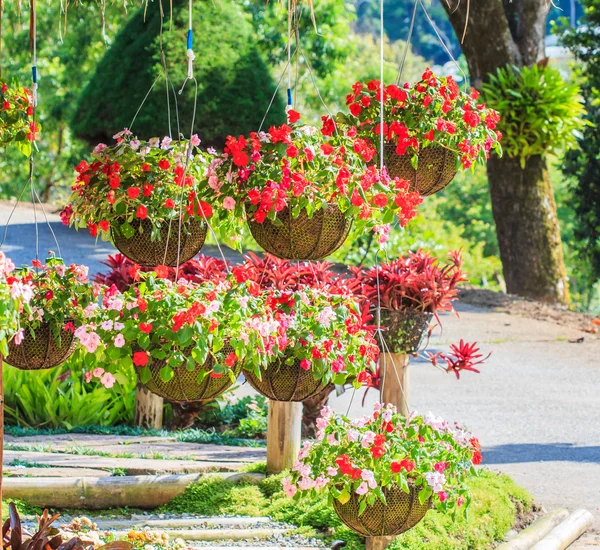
(497, 504)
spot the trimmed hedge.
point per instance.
(234, 83)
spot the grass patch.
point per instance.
(498, 504)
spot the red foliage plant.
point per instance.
(123, 272)
(417, 281)
(463, 356)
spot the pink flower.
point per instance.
(90, 341)
(306, 483)
(229, 203)
(305, 364)
(443, 496)
(331, 471)
(195, 140)
(332, 440)
(119, 341)
(88, 376)
(19, 336)
(288, 487)
(363, 488)
(98, 372)
(108, 380)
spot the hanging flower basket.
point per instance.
(16, 117)
(58, 300)
(302, 238)
(186, 386)
(139, 193)
(400, 512)
(431, 129)
(383, 471)
(435, 170)
(141, 249)
(302, 189)
(403, 331)
(286, 382)
(45, 351)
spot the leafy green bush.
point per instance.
(234, 83)
(539, 111)
(497, 503)
(60, 398)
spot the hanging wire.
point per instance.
(408, 39)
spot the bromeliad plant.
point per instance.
(303, 169)
(432, 112)
(134, 181)
(363, 459)
(16, 117)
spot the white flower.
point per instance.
(363, 489)
(134, 144)
(154, 142)
(369, 477)
(326, 315)
(436, 481)
(331, 471)
(352, 435)
(166, 143)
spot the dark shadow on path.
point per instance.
(539, 452)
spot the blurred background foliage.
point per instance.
(96, 67)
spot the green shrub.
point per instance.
(539, 111)
(60, 398)
(234, 83)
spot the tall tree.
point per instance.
(500, 33)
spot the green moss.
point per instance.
(497, 503)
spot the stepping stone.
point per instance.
(20, 471)
(131, 466)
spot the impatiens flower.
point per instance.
(229, 203)
(146, 327)
(293, 116)
(140, 358)
(119, 341)
(362, 489)
(141, 212)
(88, 376)
(108, 380)
(19, 336)
(98, 372)
(288, 487)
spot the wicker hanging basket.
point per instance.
(303, 238)
(436, 169)
(405, 332)
(143, 251)
(401, 512)
(283, 382)
(41, 352)
(184, 386)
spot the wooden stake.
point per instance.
(378, 543)
(283, 435)
(148, 408)
(395, 381)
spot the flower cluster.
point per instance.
(135, 181)
(364, 456)
(431, 112)
(416, 281)
(16, 117)
(13, 295)
(54, 294)
(323, 331)
(302, 168)
(181, 322)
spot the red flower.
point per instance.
(133, 192)
(82, 167)
(104, 225)
(328, 126)
(146, 327)
(49, 295)
(379, 440)
(140, 358)
(93, 229)
(164, 164)
(377, 452)
(477, 458)
(169, 203)
(231, 359)
(327, 149)
(380, 200)
(146, 167)
(293, 116)
(148, 188)
(305, 364)
(355, 109)
(114, 181)
(404, 464)
(141, 212)
(292, 151)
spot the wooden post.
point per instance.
(378, 543)
(148, 408)
(395, 381)
(283, 435)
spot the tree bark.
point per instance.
(500, 33)
(148, 408)
(527, 228)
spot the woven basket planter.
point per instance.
(303, 238)
(282, 382)
(401, 512)
(437, 168)
(184, 386)
(41, 352)
(405, 332)
(143, 251)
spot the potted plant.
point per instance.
(405, 294)
(301, 189)
(431, 128)
(187, 341)
(384, 472)
(141, 195)
(16, 117)
(59, 299)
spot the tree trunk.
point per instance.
(500, 33)
(148, 408)
(527, 228)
